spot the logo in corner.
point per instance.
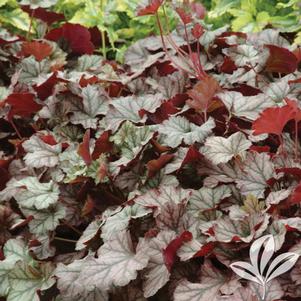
(262, 268)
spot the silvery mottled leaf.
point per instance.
(156, 273)
(14, 250)
(257, 170)
(225, 229)
(31, 70)
(189, 249)
(120, 221)
(130, 140)
(71, 285)
(278, 90)
(278, 230)
(170, 216)
(89, 233)
(89, 63)
(209, 36)
(245, 106)
(177, 161)
(246, 55)
(207, 289)
(292, 222)
(170, 85)
(44, 220)
(25, 281)
(40, 154)
(177, 129)
(275, 197)
(139, 58)
(164, 194)
(221, 150)
(207, 198)
(129, 108)
(35, 194)
(42, 248)
(94, 103)
(268, 37)
(117, 263)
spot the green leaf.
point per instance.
(15, 17)
(297, 40)
(221, 7)
(262, 20)
(3, 2)
(242, 19)
(34, 4)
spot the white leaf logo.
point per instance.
(261, 270)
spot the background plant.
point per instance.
(255, 15)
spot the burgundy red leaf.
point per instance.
(77, 36)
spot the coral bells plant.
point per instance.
(151, 180)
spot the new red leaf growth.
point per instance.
(84, 148)
(170, 252)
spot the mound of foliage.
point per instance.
(114, 23)
(145, 181)
(255, 15)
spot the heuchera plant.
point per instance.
(146, 181)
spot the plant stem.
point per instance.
(65, 239)
(30, 25)
(16, 129)
(282, 148)
(103, 36)
(103, 44)
(165, 48)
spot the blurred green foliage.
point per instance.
(12, 16)
(120, 27)
(255, 15)
(116, 18)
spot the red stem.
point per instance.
(165, 48)
(16, 129)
